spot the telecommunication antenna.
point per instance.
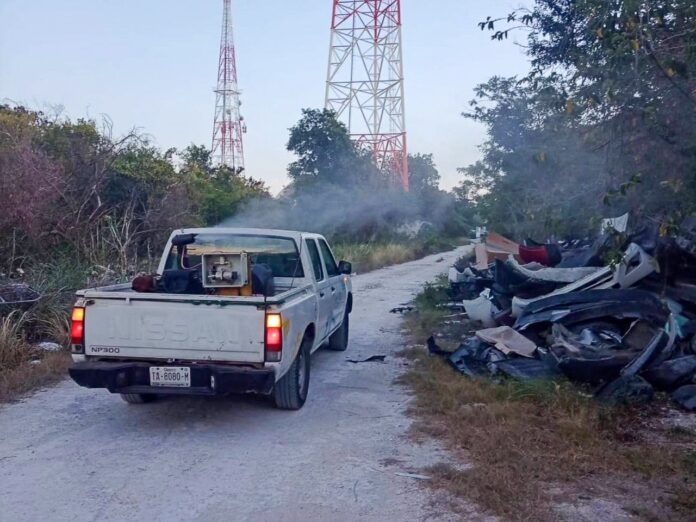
(227, 148)
(365, 81)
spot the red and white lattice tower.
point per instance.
(229, 124)
(365, 81)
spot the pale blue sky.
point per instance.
(152, 64)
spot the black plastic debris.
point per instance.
(577, 307)
(372, 358)
(434, 349)
(473, 358)
(673, 373)
(686, 397)
(523, 369)
(630, 390)
(402, 309)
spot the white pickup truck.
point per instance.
(230, 310)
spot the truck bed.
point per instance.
(121, 323)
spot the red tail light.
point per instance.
(77, 329)
(274, 337)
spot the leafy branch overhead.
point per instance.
(605, 116)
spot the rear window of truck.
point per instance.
(279, 253)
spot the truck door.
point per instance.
(324, 298)
(336, 286)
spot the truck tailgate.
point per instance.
(174, 330)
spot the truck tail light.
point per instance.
(77, 330)
(274, 337)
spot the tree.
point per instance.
(326, 153)
(606, 115)
(423, 176)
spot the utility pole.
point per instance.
(227, 148)
(365, 81)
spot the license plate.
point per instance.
(170, 376)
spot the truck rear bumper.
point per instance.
(206, 379)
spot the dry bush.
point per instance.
(14, 348)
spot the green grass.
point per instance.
(372, 255)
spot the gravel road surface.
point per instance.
(68, 453)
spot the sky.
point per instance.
(152, 65)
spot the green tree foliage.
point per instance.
(69, 186)
(326, 153)
(423, 176)
(607, 116)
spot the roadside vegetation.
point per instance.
(82, 208)
(523, 450)
(603, 123)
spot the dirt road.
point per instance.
(68, 453)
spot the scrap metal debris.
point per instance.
(556, 311)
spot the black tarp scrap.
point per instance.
(686, 397)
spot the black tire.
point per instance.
(290, 392)
(338, 341)
(138, 398)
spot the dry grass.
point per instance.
(28, 376)
(14, 348)
(523, 436)
(526, 440)
(23, 367)
(370, 256)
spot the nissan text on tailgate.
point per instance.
(230, 310)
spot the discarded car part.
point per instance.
(584, 297)
(547, 255)
(509, 282)
(685, 397)
(481, 310)
(656, 345)
(508, 341)
(473, 357)
(372, 358)
(627, 390)
(528, 369)
(636, 265)
(672, 373)
(17, 296)
(587, 360)
(581, 307)
(554, 275)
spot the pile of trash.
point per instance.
(555, 310)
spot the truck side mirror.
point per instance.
(344, 267)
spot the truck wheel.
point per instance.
(290, 392)
(138, 398)
(339, 339)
